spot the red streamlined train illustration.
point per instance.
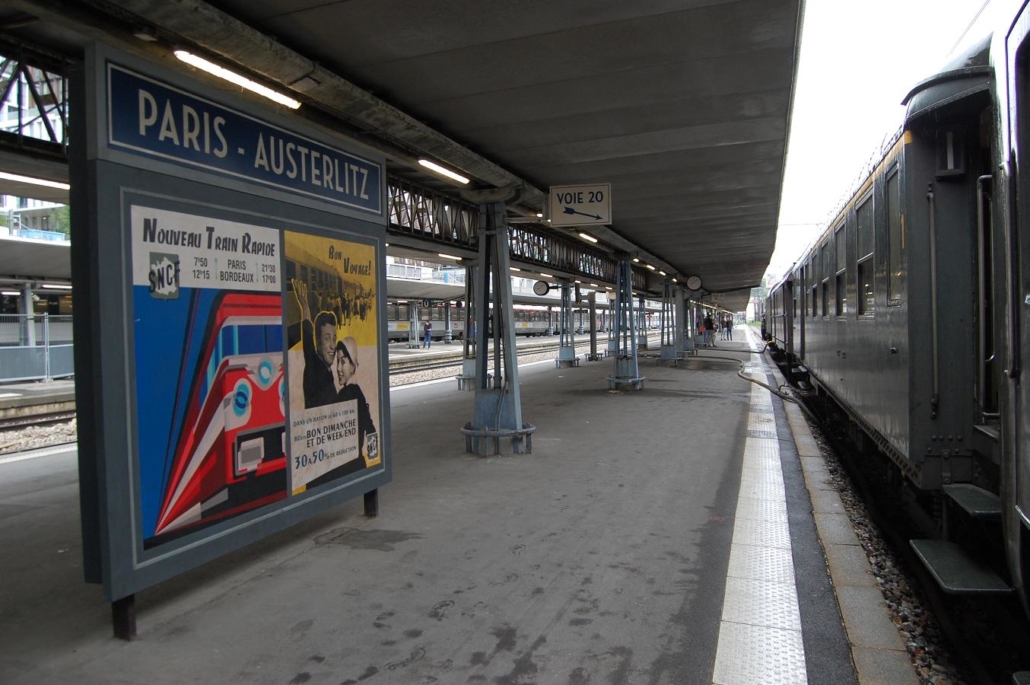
(230, 457)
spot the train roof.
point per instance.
(968, 73)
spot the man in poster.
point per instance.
(319, 352)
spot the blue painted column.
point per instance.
(685, 336)
(566, 342)
(466, 381)
(497, 426)
(627, 371)
(668, 323)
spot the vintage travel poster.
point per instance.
(208, 339)
(332, 358)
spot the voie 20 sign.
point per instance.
(581, 205)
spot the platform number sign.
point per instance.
(581, 205)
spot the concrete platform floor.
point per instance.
(600, 558)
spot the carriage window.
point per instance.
(824, 300)
(841, 281)
(864, 215)
(895, 239)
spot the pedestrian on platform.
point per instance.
(709, 331)
(427, 334)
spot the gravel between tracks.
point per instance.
(923, 638)
(34, 437)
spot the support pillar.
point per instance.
(566, 342)
(613, 328)
(683, 330)
(642, 325)
(414, 327)
(594, 356)
(28, 324)
(668, 323)
(466, 381)
(497, 426)
(625, 323)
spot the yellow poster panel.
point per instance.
(332, 358)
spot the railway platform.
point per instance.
(681, 534)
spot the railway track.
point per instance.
(36, 419)
(986, 637)
(403, 366)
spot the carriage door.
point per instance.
(987, 363)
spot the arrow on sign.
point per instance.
(570, 210)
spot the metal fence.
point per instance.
(36, 347)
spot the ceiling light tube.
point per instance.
(34, 181)
(448, 256)
(233, 77)
(10, 293)
(661, 273)
(588, 237)
(433, 166)
(651, 267)
(543, 275)
(514, 268)
(52, 286)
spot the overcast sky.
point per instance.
(858, 60)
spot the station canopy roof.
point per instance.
(683, 106)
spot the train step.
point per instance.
(977, 502)
(955, 571)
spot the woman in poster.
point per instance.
(346, 367)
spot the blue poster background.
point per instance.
(170, 337)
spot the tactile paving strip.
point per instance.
(760, 632)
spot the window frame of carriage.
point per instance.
(895, 235)
(865, 265)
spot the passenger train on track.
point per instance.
(911, 312)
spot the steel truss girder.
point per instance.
(445, 221)
(36, 88)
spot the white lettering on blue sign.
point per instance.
(154, 119)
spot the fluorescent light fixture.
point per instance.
(548, 221)
(651, 267)
(34, 181)
(539, 215)
(233, 77)
(514, 268)
(588, 237)
(10, 293)
(636, 261)
(433, 166)
(386, 244)
(52, 286)
(543, 275)
(448, 256)
(660, 272)
(578, 281)
(595, 285)
(675, 281)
